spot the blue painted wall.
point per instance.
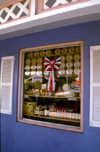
(19, 137)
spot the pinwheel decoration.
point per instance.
(52, 65)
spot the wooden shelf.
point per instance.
(54, 118)
(66, 121)
(55, 98)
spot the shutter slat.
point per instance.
(95, 86)
(5, 97)
(96, 66)
(96, 103)
(7, 66)
(6, 71)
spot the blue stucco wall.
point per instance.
(19, 137)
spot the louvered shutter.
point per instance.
(7, 67)
(95, 86)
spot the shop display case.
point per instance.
(50, 89)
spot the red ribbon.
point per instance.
(51, 66)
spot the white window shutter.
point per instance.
(7, 68)
(95, 86)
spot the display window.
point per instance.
(50, 91)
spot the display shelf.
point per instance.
(59, 97)
(55, 120)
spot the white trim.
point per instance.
(7, 84)
(78, 13)
(33, 5)
(96, 84)
(94, 123)
(92, 84)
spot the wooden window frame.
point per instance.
(46, 124)
(40, 6)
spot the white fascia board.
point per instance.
(78, 13)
